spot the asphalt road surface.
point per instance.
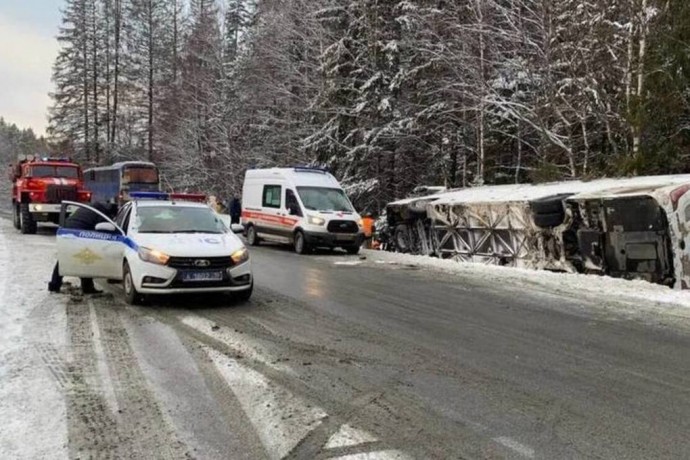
(335, 357)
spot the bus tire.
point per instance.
(27, 223)
(550, 204)
(402, 239)
(549, 220)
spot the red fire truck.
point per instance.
(39, 185)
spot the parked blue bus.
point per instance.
(112, 184)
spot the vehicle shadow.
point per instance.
(199, 301)
(48, 230)
(286, 249)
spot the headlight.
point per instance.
(240, 256)
(360, 222)
(315, 220)
(153, 256)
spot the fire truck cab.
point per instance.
(39, 185)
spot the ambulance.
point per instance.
(159, 244)
(304, 207)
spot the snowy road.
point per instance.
(337, 357)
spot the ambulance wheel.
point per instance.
(16, 220)
(252, 237)
(132, 297)
(301, 246)
(27, 224)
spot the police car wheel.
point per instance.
(252, 237)
(243, 296)
(132, 297)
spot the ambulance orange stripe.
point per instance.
(269, 218)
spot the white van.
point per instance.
(304, 207)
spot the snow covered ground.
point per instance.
(32, 336)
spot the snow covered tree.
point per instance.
(70, 114)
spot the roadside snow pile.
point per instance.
(592, 287)
(32, 338)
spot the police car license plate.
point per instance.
(202, 276)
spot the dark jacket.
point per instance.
(85, 219)
(235, 208)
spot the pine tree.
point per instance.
(69, 115)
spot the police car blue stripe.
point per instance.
(93, 235)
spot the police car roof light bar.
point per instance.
(149, 196)
(195, 197)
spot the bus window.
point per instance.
(140, 175)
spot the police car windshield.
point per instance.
(177, 219)
(69, 172)
(324, 199)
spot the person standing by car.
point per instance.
(235, 210)
(82, 219)
(368, 228)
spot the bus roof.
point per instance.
(122, 164)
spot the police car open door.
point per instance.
(94, 253)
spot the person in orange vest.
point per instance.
(368, 226)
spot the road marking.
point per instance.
(512, 444)
(280, 418)
(243, 343)
(349, 436)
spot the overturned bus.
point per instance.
(630, 228)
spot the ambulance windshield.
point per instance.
(324, 199)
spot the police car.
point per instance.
(159, 244)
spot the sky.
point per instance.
(27, 50)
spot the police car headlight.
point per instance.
(240, 256)
(315, 220)
(153, 256)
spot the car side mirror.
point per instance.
(106, 227)
(237, 228)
